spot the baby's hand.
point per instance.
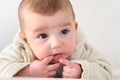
(42, 69)
(71, 69)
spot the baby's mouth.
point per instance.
(56, 58)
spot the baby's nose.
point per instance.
(56, 44)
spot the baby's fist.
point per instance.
(71, 69)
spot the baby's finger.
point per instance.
(53, 67)
(67, 69)
(66, 75)
(66, 62)
(47, 59)
(51, 74)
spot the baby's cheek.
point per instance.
(71, 49)
(39, 55)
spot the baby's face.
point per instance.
(50, 35)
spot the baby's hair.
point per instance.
(44, 7)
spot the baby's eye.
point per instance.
(64, 31)
(43, 36)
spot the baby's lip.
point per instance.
(56, 58)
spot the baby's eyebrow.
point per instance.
(40, 28)
(67, 24)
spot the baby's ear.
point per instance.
(22, 35)
(76, 25)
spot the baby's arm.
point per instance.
(12, 64)
(94, 65)
(40, 69)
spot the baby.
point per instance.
(48, 45)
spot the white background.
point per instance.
(99, 19)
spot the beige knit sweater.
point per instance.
(18, 55)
